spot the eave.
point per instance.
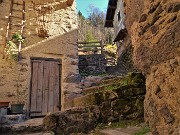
(112, 5)
(121, 35)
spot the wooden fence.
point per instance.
(96, 47)
(86, 48)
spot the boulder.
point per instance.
(77, 120)
(154, 29)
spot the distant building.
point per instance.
(115, 18)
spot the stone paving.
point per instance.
(29, 126)
(34, 127)
(120, 131)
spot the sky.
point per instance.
(83, 5)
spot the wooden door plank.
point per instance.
(40, 88)
(34, 87)
(45, 87)
(45, 93)
(56, 87)
(51, 89)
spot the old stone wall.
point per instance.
(54, 48)
(162, 99)
(13, 78)
(122, 99)
(114, 96)
(154, 30)
(15, 75)
(93, 64)
(133, 10)
(124, 58)
(61, 19)
(125, 62)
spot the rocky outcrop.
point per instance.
(162, 101)
(154, 30)
(155, 37)
(121, 100)
(79, 120)
(30, 126)
(124, 61)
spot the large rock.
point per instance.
(121, 98)
(162, 103)
(22, 128)
(154, 30)
(78, 120)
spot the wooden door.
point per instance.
(45, 87)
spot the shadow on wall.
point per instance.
(124, 63)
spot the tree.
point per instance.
(95, 15)
(80, 15)
(92, 28)
(90, 36)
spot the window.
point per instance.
(119, 16)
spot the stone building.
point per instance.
(115, 18)
(46, 73)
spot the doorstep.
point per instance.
(23, 127)
(12, 119)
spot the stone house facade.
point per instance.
(115, 18)
(48, 64)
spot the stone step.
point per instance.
(12, 119)
(40, 133)
(27, 127)
(114, 83)
(120, 131)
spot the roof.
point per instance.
(121, 35)
(112, 5)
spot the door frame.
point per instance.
(30, 84)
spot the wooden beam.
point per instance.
(101, 46)
(112, 7)
(109, 20)
(89, 42)
(8, 27)
(89, 50)
(89, 46)
(22, 27)
(70, 2)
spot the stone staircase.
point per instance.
(24, 127)
(12, 119)
(108, 89)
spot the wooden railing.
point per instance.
(95, 47)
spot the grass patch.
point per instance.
(142, 131)
(121, 124)
(125, 123)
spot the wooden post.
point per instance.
(94, 48)
(8, 27)
(22, 28)
(101, 43)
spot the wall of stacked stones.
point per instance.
(61, 44)
(93, 64)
